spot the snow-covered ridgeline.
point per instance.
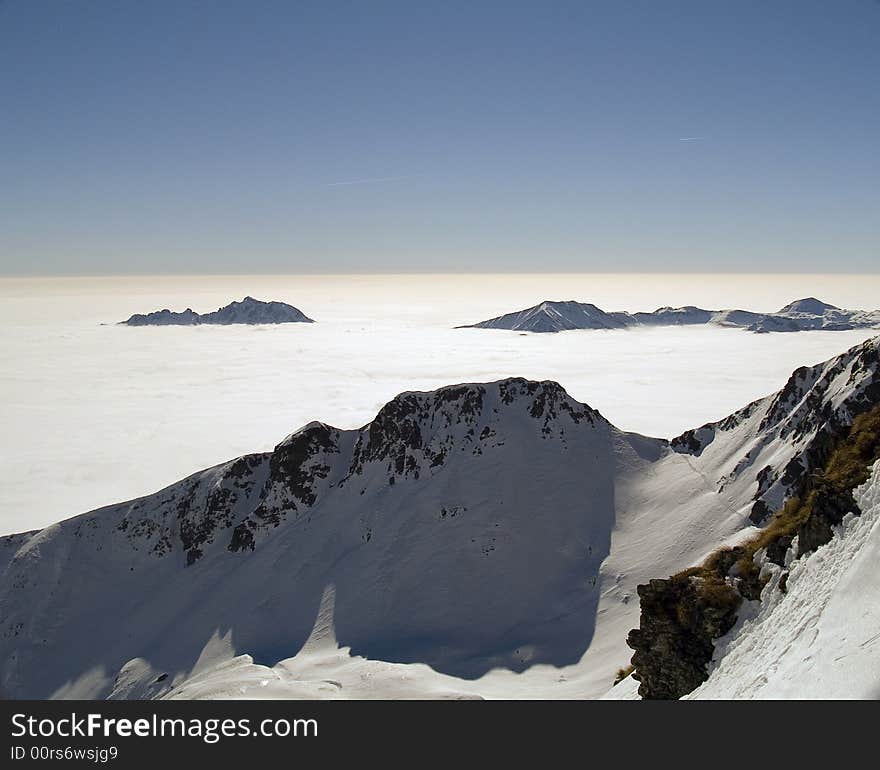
(778, 440)
(801, 315)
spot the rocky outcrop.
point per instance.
(681, 618)
(809, 414)
(248, 311)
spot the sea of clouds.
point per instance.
(95, 413)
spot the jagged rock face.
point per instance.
(296, 469)
(836, 431)
(414, 434)
(788, 434)
(683, 616)
(248, 311)
(190, 515)
(675, 641)
(828, 510)
(165, 317)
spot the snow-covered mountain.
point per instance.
(478, 540)
(556, 317)
(248, 311)
(801, 315)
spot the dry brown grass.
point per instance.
(716, 595)
(623, 673)
(847, 468)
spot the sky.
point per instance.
(261, 136)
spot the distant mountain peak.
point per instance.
(801, 315)
(247, 311)
(808, 305)
(556, 316)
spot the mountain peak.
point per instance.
(555, 316)
(800, 315)
(247, 311)
(468, 403)
(808, 305)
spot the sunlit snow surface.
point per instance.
(94, 414)
(821, 638)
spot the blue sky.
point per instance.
(260, 136)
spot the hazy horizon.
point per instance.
(483, 291)
(424, 273)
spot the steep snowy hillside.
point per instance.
(801, 315)
(818, 634)
(479, 540)
(248, 311)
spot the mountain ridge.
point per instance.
(801, 315)
(246, 311)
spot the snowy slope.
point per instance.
(821, 637)
(479, 540)
(800, 315)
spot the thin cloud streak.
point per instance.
(369, 180)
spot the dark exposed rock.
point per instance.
(242, 538)
(803, 413)
(687, 443)
(828, 507)
(759, 513)
(193, 555)
(681, 617)
(696, 440)
(413, 430)
(295, 468)
(792, 391)
(290, 463)
(783, 582)
(164, 317)
(778, 548)
(244, 466)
